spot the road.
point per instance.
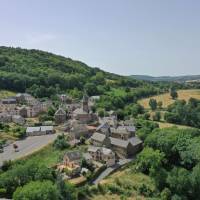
(111, 169)
(26, 147)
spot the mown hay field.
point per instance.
(6, 93)
(167, 100)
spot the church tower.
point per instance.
(85, 103)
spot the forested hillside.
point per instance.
(40, 72)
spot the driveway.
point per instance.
(26, 147)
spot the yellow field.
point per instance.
(168, 125)
(167, 100)
(5, 94)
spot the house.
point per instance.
(79, 130)
(60, 116)
(23, 111)
(104, 128)
(123, 132)
(121, 139)
(102, 154)
(39, 130)
(24, 98)
(111, 120)
(126, 148)
(99, 139)
(17, 119)
(72, 162)
(9, 101)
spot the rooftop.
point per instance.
(98, 137)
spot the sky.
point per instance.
(151, 37)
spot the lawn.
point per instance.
(6, 93)
(167, 100)
(48, 156)
(168, 125)
(117, 92)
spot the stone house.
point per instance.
(123, 132)
(102, 154)
(72, 162)
(99, 139)
(79, 130)
(60, 116)
(126, 148)
(121, 140)
(24, 98)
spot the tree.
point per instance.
(36, 190)
(153, 104)
(157, 116)
(173, 93)
(160, 104)
(101, 112)
(61, 142)
(149, 160)
(195, 182)
(91, 89)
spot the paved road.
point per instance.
(109, 170)
(26, 147)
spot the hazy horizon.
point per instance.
(156, 38)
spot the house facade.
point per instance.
(60, 116)
(102, 154)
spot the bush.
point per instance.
(61, 142)
(36, 190)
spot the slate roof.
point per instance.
(93, 148)
(119, 142)
(131, 128)
(79, 111)
(104, 125)
(104, 150)
(32, 129)
(123, 129)
(135, 141)
(124, 143)
(46, 128)
(73, 155)
(60, 111)
(98, 137)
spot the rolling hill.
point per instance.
(187, 78)
(43, 73)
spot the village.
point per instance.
(107, 140)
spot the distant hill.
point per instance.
(187, 78)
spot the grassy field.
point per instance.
(5, 94)
(167, 100)
(168, 125)
(127, 180)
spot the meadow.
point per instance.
(167, 100)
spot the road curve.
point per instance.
(26, 147)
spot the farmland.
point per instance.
(167, 100)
